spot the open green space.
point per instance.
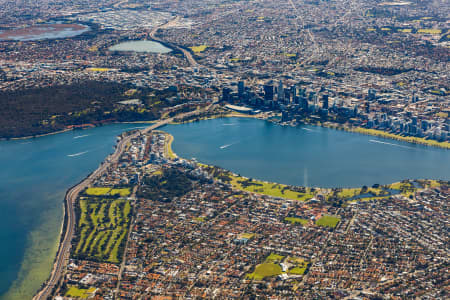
(198, 49)
(97, 191)
(299, 265)
(104, 191)
(294, 220)
(101, 229)
(260, 187)
(265, 270)
(328, 221)
(122, 192)
(76, 292)
(410, 139)
(271, 267)
(273, 257)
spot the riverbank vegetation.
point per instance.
(37, 111)
(409, 139)
(260, 187)
(333, 196)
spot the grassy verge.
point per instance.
(409, 139)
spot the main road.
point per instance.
(186, 53)
(71, 196)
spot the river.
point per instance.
(34, 177)
(306, 155)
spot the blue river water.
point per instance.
(35, 174)
(306, 155)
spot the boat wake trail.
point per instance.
(81, 136)
(228, 145)
(390, 144)
(307, 129)
(230, 124)
(77, 154)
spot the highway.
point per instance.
(72, 195)
(186, 53)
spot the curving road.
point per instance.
(186, 53)
(71, 196)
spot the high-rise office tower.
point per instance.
(325, 101)
(268, 92)
(280, 91)
(241, 89)
(226, 94)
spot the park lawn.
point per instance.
(348, 193)
(294, 220)
(328, 221)
(300, 265)
(246, 235)
(98, 69)
(122, 192)
(97, 191)
(273, 257)
(79, 293)
(198, 49)
(260, 187)
(429, 31)
(157, 173)
(409, 139)
(297, 270)
(395, 186)
(432, 183)
(406, 188)
(270, 189)
(265, 270)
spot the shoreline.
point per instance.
(389, 136)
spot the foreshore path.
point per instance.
(63, 254)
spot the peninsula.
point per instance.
(147, 223)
